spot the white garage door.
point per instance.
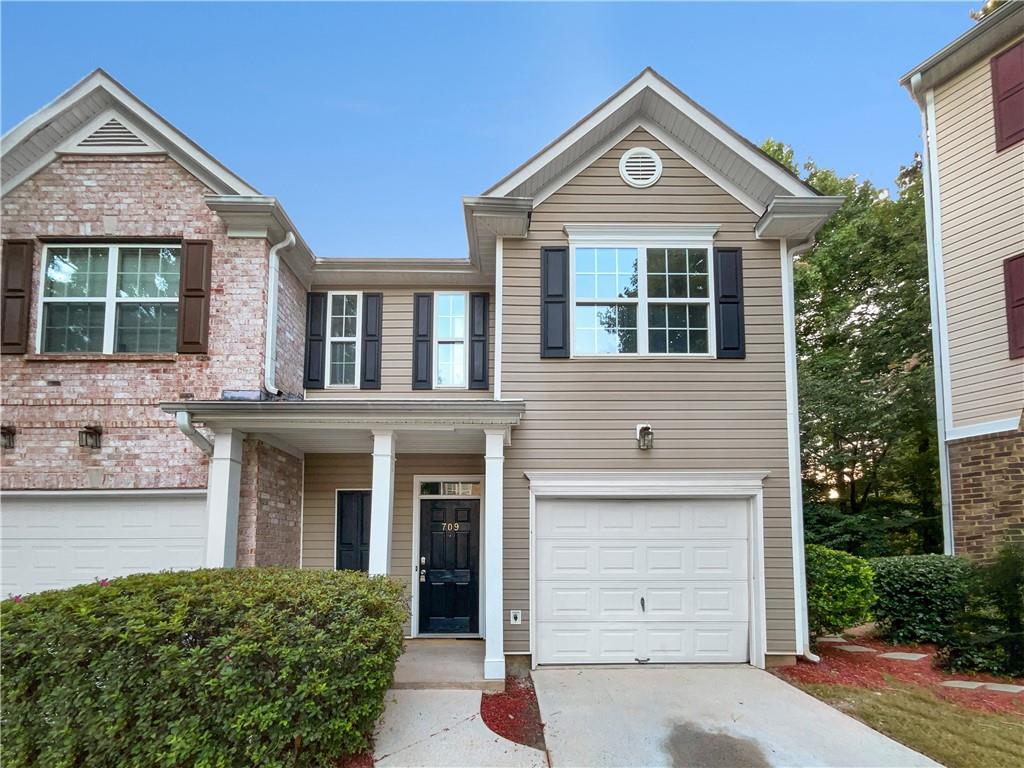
(621, 580)
(51, 542)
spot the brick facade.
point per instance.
(50, 397)
(269, 507)
(987, 492)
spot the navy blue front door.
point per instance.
(449, 565)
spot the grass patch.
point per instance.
(955, 736)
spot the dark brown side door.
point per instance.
(449, 567)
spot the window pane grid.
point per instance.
(148, 273)
(450, 339)
(343, 331)
(73, 328)
(146, 327)
(76, 272)
(668, 315)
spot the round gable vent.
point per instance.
(640, 167)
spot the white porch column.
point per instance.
(494, 643)
(381, 501)
(225, 477)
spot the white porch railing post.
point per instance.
(225, 478)
(381, 501)
(494, 643)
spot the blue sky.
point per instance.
(371, 121)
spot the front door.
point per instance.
(449, 567)
(353, 531)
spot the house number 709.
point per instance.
(449, 526)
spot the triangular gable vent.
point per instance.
(112, 133)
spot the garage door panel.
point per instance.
(620, 580)
(642, 559)
(54, 543)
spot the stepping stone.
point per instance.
(968, 684)
(1004, 687)
(904, 656)
(832, 639)
(855, 649)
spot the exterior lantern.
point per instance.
(644, 437)
(7, 436)
(89, 437)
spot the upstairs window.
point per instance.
(450, 341)
(343, 339)
(642, 300)
(1008, 96)
(110, 299)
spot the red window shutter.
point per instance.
(1008, 96)
(1013, 279)
(194, 297)
(16, 295)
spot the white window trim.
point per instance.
(641, 238)
(110, 299)
(358, 338)
(436, 341)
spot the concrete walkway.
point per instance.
(443, 729)
(700, 717)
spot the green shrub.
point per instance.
(839, 593)
(989, 635)
(919, 596)
(261, 667)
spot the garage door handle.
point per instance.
(643, 607)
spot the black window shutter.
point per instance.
(478, 322)
(194, 297)
(16, 295)
(316, 342)
(554, 302)
(729, 303)
(373, 304)
(422, 341)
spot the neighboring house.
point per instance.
(971, 95)
(579, 442)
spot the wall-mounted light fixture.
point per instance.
(7, 436)
(644, 437)
(90, 437)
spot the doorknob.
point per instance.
(423, 559)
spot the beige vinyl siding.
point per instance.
(707, 414)
(981, 196)
(327, 473)
(396, 350)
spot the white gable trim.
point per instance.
(157, 131)
(649, 80)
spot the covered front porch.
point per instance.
(411, 489)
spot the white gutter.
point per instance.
(273, 277)
(184, 421)
(796, 497)
(936, 293)
(499, 257)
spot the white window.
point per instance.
(109, 298)
(642, 299)
(450, 344)
(343, 327)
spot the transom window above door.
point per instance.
(642, 300)
(343, 339)
(110, 298)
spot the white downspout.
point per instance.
(499, 295)
(796, 497)
(270, 351)
(184, 421)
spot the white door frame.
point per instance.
(414, 573)
(665, 485)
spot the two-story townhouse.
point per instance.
(578, 443)
(971, 95)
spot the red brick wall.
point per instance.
(291, 332)
(987, 492)
(48, 399)
(270, 506)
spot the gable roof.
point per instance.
(651, 102)
(79, 120)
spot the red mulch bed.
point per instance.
(514, 713)
(362, 760)
(867, 670)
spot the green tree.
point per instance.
(866, 379)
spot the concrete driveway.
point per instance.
(700, 717)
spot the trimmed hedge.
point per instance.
(264, 667)
(919, 597)
(839, 593)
